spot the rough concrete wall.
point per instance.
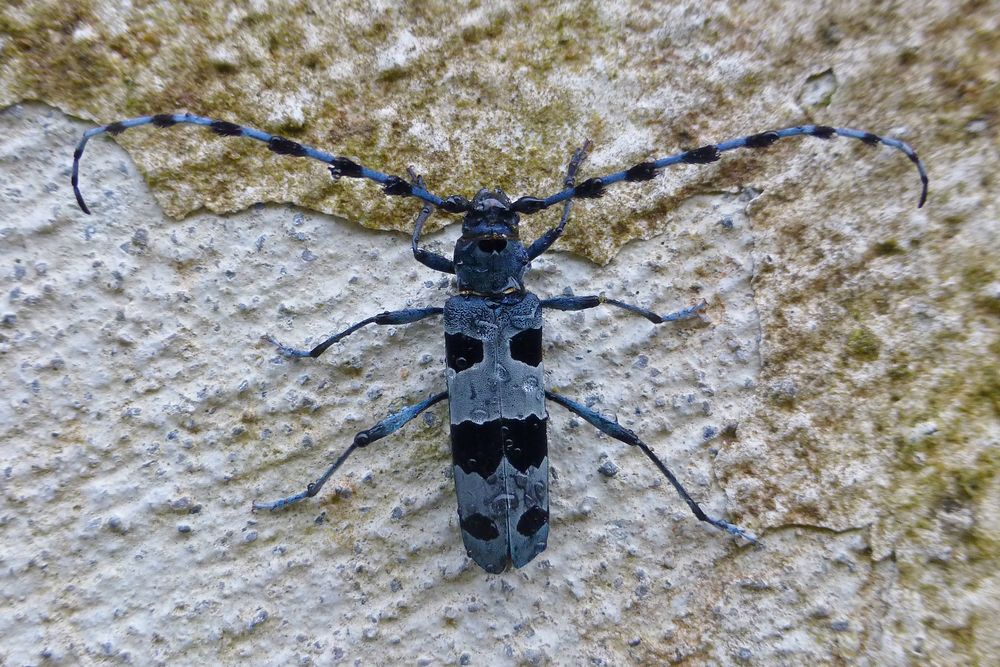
(842, 400)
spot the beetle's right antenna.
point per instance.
(645, 171)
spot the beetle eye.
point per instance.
(492, 245)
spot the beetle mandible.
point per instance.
(493, 335)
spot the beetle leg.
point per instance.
(619, 432)
(405, 316)
(389, 425)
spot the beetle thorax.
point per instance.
(490, 259)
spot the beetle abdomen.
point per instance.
(498, 420)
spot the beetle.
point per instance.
(493, 335)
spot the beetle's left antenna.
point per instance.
(339, 166)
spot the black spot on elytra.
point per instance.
(526, 347)
(524, 442)
(532, 521)
(115, 128)
(462, 351)
(823, 131)
(871, 139)
(480, 527)
(477, 448)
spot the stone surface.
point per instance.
(842, 400)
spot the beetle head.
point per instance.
(490, 216)
(489, 258)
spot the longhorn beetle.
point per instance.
(493, 335)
